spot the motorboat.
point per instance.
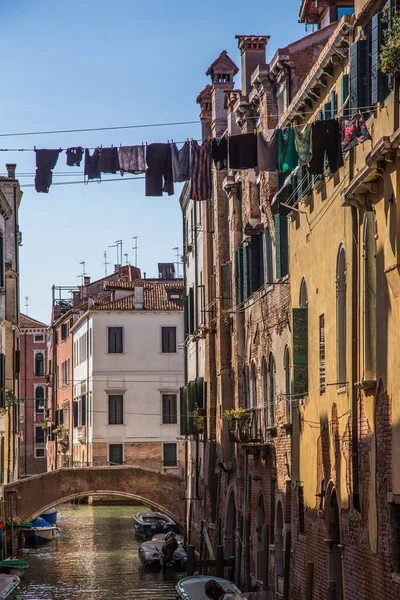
(8, 583)
(39, 531)
(160, 537)
(204, 587)
(13, 566)
(149, 523)
(155, 554)
(50, 516)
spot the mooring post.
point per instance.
(220, 561)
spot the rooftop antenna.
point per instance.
(115, 246)
(105, 263)
(135, 248)
(177, 262)
(126, 259)
(83, 274)
(119, 247)
(26, 305)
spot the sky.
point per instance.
(94, 63)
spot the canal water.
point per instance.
(95, 556)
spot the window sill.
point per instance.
(342, 390)
(272, 429)
(287, 426)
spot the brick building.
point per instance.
(33, 392)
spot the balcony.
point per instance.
(249, 427)
(82, 435)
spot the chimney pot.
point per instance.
(11, 170)
(138, 298)
(86, 280)
(252, 49)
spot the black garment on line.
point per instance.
(267, 153)
(108, 160)
(91, 170)
(159, 178)
(219, 153)
(243, 151)
(46, 160)
(74, 156)
(326, 137)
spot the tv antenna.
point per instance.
(177, 262)
(26, 305)
(105, 263)
(83, 274)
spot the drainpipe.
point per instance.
(196, 290)
(26, 405)
(87, 390)
(71, 409)
(354, 367)
(185, 361)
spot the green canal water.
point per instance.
(95, 556)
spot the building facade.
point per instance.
(33, 394)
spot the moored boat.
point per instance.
(152, 554)
(8, 583)
(201, 587)
(160, 537)
(50, 516)
(150, 523)
(13, 566)
(39, 532)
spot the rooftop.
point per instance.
(29, 323)
(157, 295)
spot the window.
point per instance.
(169, 409)
(268, 256)
(40, 448)
(168, 339)
(115, 409)
(246, 387)
(2, 380)
(369, 244)
(115, 340)
(39, 338)
(64, 331)
(300, 343)
(75, 413)
(281, 245)
(116, 454)
(322, 371)
(264, 369)
(39, 399)
(300, 499)
(341, 316)
(65, 372)
(170, 455)
(253, 398)
(90, 342)
(395, 535)
(2, 267)
(272, 391)
(39, 364)
(288, 384)
(83, 410)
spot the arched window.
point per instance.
(264, 374)
(288, 384)
(39, 364)
(341, 316)
(246, 387)
(300, 343)
(369, 244)
(253, 398)
(272, 390)
(39, 399)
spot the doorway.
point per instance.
(261, 550)
(332, 525)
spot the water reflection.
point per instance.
(94, 556)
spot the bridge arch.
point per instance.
(162, 491)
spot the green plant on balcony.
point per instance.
(59, 428)
(10, 398)
(44, 426)
(237, 414)
(389, 59)
(196, 417)
(239, 421)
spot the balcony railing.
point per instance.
(251, 428)
(82, 434)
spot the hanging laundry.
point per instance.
(108, 160)
(91, 169)
(201, 188)
(355, 132)
(267, 153)
(243, 151)
(132, 159)
(302, 141)
(74, 156)
(180, 162)
(325, 136)
(287, 154)
(159, 176)
(46, 160)
(219, 153)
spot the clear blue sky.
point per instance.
(95, 63)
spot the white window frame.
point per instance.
(35, 352)
(39, 385)
(123, 340)
(40, 445)
(35, 341)
(165, 393)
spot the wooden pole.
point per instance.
(286, 576)
(266, 557)
(190, 564)
(220, 561)
(309, 580)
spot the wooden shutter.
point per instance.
(186, 314)
(83, 410)
(17, 355)
(170, 455)
(282, 251)
(322, 363)
(333, 103)
(327, 111)
(111, 340)
(116, 454)
(300, 350)
(226, 279)
(183, 397)
(75, 414)
(192, 399)
(268, 256)
(239, 275)
(200, 401)
(255, 257)
(119, 339)
(344, 89)
(191, 310)
(246, 273)
(358, 75)
(379, 81)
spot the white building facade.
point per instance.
(127, 371)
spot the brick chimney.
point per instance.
(11, 170)
(204, 99)
(222, 72)
(86, 280)
(138, 298)
(252, 49)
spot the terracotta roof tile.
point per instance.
(26, 322)
(156, 295)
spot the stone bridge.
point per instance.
(161, 491)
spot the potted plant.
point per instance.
(389, 59)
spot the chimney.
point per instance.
(11, 170)
(252, 49)
(204, 99)
(138, 298)
(222, 72)
(86, 280)
(76, 299)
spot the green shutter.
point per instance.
(268, 253)
(300, 350)
(281, 239)
(333, 102)
(239, 276)
(344, 90)
(246, 274)
(327, 111)
(255, 270)
(358, 62)
(186, 315)
(379, 81)
(191, 310)
(200, 400)
(183, 395)
(191, 406)
(261, 254)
